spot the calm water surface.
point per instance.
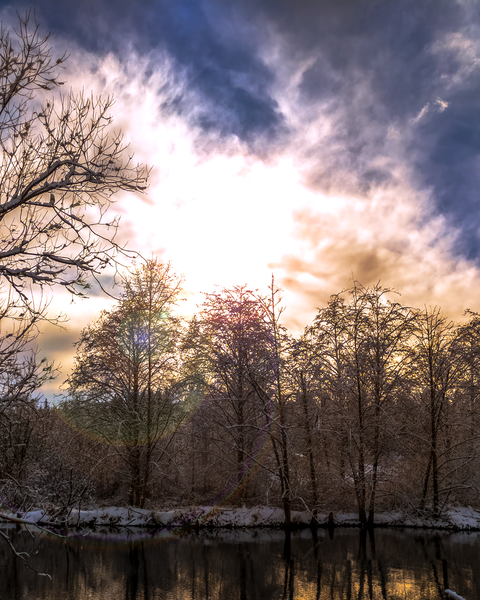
(244, 565)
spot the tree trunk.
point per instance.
(433, 440)
(360, 483)
(283, 482)
(371, 508)
(135, 450)
(308, 430)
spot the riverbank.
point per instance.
(455, 519)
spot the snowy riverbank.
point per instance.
(459, 519)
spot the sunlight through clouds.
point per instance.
(337, 192)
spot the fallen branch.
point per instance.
(39, 524)
(22, 556)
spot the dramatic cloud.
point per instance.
(322, 140)
(231, 82)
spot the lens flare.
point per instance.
(144, 335)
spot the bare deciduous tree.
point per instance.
(230, 337)
(439, 369)
(128, 388)
(60, 164)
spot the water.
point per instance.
(244, 565)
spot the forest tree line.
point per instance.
(373, 408)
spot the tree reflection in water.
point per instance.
(246, 565)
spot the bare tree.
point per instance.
(273, 387)
(363, 350)
(439, 370)
(306, 374)
(59, 166)
(230, 338)
(128, 388)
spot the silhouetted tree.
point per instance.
(60, 164)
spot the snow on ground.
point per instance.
(453, 595)
(460, 518)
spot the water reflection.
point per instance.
(246, 565)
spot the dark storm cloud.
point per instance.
(376, 65)
(452, 167)
(225, 73)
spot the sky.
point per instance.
(321, 141)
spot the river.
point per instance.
(243, 565)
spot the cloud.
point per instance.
(422, 113)
(441, 105)
(369, 67)
(377, 67)
(229, 79)
(380, 238)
